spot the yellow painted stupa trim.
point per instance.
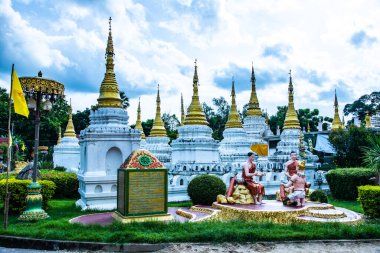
(138, 125)
(59, 135)
(158, 129)
(336, 124)
(367, 120)
(70, 131)
(195, 114)
(109, 89)
(253, 105)
(233, 117)
(182, 112)
(291, 119)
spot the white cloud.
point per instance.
(156, 45)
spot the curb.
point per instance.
(40, 244)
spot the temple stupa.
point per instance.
(254, 122)
(290, 135)
(336, 124)
(67, 151)
(139, 127)
(235, 144)
(194, 150)
(158, 142)
(105, 143)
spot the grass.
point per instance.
(61, 211)
(351, 205)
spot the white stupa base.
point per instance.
(67, 154)
(160, 148)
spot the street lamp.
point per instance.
(38, 89)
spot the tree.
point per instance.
(81, 120)
(372, 156)
(366, 103)
(217, 120)
(349, 145)
(278, 119)
(147, 126)
(171, 123)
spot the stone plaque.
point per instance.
(142, 187)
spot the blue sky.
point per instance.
(328, 45)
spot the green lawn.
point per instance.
(351, 205)
(60, 211)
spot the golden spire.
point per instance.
(59, 135)
(70, 131)
(195, 114)
(367, 120)
(182, 112)
(109, 89)
(291, 119)
(253, 105)
(308, 126)
(233, 117)
(158, 129)
(336, 124)
(138, 122)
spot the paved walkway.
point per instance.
(265, 247)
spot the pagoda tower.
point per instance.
(195, 149)
(139, 127)
(105, 143)
(375, 119)
(67, 151)
(235, 144)
(254, 122)
(157, 141)
(182, 112)
(368, 120)
(290, 136)
(336, 124)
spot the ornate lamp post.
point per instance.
(38, 89)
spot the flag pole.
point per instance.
(7, 194)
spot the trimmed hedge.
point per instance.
(18, 191)
(369, 197)
(343, 183)
(67, 183)
(203, 189)
(318, 195)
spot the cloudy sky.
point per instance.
(327, 44)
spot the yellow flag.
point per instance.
(18, 96)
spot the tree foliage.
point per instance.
(171, 124)
(217, 119)
(349, 145)
(366, 103)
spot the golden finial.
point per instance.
(302, 146)
(291, 119)
(138, 122)
(233, 117)
(253, 105)
(59, 135)
(195, 115)
(336, 124)
(182, 112)
(70, 131)
(367, 120)
(308, 126)
(109, 89)
(158, 129)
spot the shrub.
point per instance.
(343, 183)
(204, 189)
(60, 168)
(67, 183)
(18, 191)
(369, 197)
(318, 195)
(45, 165)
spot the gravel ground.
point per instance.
(299, 247)
(271, 247)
